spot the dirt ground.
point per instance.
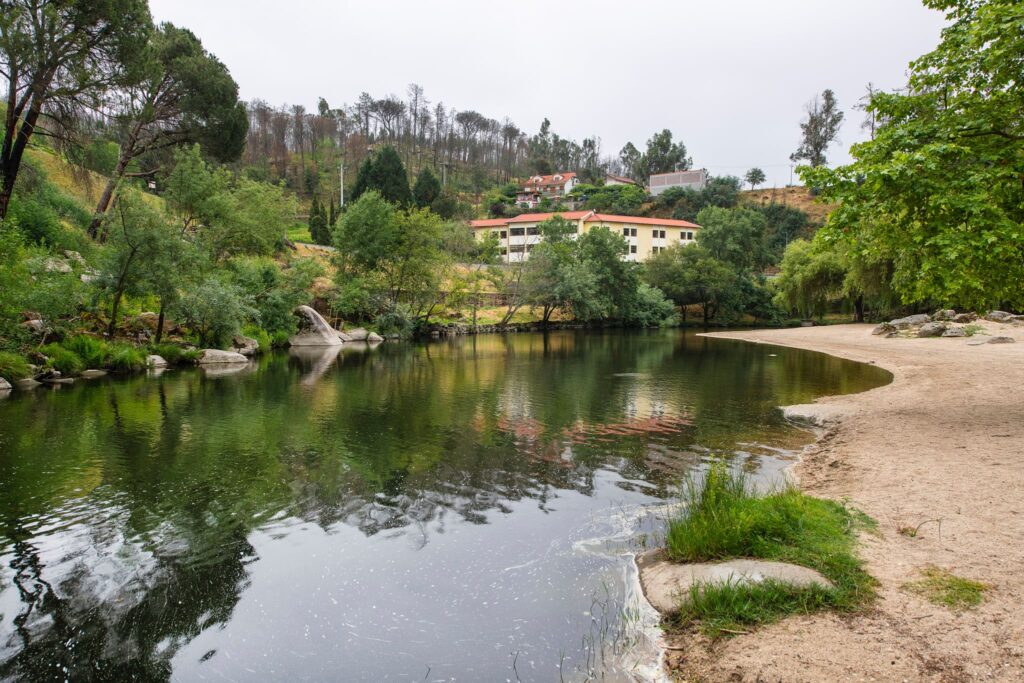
(943, 442)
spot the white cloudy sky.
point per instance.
(728, 77)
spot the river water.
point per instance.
(463, 510)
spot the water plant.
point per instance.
(725, 518)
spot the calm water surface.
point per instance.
(452, 511)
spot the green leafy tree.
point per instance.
(819, 130)
(811, 280)
(427, 189)
(193, 190)
(939, 189)
(754, 177)
(735, 236)
(249, 218)
(663, 155)
(362, 183)
(57, 57)
(215, 311)
(388, 177)
(184, 95)
(319, 228)
(689, 275)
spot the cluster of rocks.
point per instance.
(946, 323)
(315, 331)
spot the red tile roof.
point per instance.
(541, 180)
(588, 216)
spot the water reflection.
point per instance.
(364, 514)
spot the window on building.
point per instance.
(632, 249)
(503, 251)
(632, 231)
(504, 234)
(659, 234)
(533, 231)
(625, 232)
(517, 249)
(516, 232)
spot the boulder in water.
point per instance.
(212, 356)
(247, 346)
(313, 330)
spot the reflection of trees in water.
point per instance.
(181, 469)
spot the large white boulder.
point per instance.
(214, 356)
(313, 330)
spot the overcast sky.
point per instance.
(730, 78)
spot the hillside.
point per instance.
(796, 196)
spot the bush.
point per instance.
(215, 311)
(91, 350)
(261, 336)
(651, 308)
(13, 366)
(395, 321)
(172, 353)
(279, 339)
(126, 358)
(63, 360)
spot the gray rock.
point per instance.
(313, 330)
(944, 314)
(154, 361)
(27, 383)
(964, 318)
(213, 356)
(883, 328)
(4, 385)
(666, 584)
(88, 277)
(358, 334)
(931, 329)
(344, 336)
(59, 380)
(56, 265)
(1001, 340)
(954, 332)
(74, 256)
(36, 325)
(374, 338)
(244, 345)
(93, 374)
(910, 321)
(998, 316)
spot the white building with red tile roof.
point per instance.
(518, 236)
(554, 187)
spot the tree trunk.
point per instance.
(160, 323)
(113, 312)
(858, 309)
(108, 193)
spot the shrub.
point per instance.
(126, 358)
(172, 353)
(261, 336)
(279, 339)
(13, 366)
(63, 360)
(91, 350)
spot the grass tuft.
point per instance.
(13, 366)
(126, 358)
(92, 351)
(66, 361)
(943, 587)
(725, 519)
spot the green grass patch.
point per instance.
(13, 366)
(725, 519)
(126, 358)
(943, 587)
(65, 361)
(299, 233)
(261, 336)
(92, 351)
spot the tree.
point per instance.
(215, 311)
(939, 191)
(735, 236)
(388, 177)
(184, 95)
(427, 189)
(249, 218)
(755, 177)
(143, 249)
(664, 156)
(690, 275)
(811, 280)
(60, 58)
(319, 229)
(632, 163)
(819, 130)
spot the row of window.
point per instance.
(626, 232)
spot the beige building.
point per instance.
(645, 236)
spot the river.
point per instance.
(458, 510)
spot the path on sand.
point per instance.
(944, 442)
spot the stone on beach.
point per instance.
(931, 329)
(667, 583)
(910, 321)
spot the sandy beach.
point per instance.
(941, 448)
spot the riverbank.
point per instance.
(942, 442)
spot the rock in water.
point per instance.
(358, 334)
(666, 583)
(313, 330)
(93, 374)
(5, 386)
(154, 361)
(910, 321)
(246, 346)
(374, 338)
(210, 356)
(931, 330)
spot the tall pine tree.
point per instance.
(427, 188)
(362, 183)
(332, 216)
(318, 229)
